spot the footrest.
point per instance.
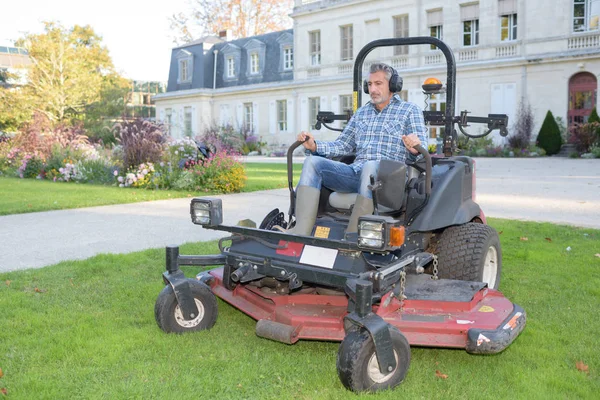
(276, 331)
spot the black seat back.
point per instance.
(392, 175)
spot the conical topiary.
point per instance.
(549, 137)
(594, 116)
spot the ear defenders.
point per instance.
(395, 83)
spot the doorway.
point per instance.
(583, 88)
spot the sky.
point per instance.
(136, 32)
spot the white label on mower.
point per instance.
(318, 256)
(482, 339)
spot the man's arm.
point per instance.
(343, 145)
(414, 132)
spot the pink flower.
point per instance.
(116, 173)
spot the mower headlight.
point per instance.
(206, 211)
(379, 233)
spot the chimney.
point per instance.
(226, 35)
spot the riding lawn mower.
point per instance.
(422, 270)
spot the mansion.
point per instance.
(544, 53)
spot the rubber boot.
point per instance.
(307, 204)
(362, 206)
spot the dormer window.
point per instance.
(183, 70)
(288, 58)
(230, 67)
(232, 59)
(185, 61)
(256, 54)
(286, 46)
(254, 64)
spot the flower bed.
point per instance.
(144, 158)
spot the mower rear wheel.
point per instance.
(357, 365)
(170, 318)
(470, 252)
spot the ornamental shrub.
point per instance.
(142, 141)
(222, 172)
(522, 128)
(222, 138)
(549, 137)
(595, 118)
(584, 136)
(32, 166)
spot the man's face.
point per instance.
(379, 88)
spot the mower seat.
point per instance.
(391, 196)
(345, 202)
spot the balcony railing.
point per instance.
(468, 55)
(400, 62)
(312, 72)
(433, 59)
(345, 69)
(584, 42)
(509, 50)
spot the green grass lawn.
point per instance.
(86, 329)
(30, 195)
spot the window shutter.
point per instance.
(335, 107)
(506, 7)
(304, 114)
(272, 117)
(435, 18)
(291, 116)
(469, 12)
(323, 106)
(239, 115)
(255, 126)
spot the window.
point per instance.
(282, 115)
(168, 119)
(187, 121)
(435, 22)
(583, 16)
(400, 31)
(288, 58)
(248, 117)
(346, 44)
(314, 40)
(471, 33)
(314, 103)
(254, 64)
(436, 32)
(185, 62)
(183, 70)
(437, 102)
(469, 15)
(508, 27)
(345, 106)
(230, 67)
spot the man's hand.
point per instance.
(309, 141)
(410, 141)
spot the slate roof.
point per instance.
(269, 47)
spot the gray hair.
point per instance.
(376, 67)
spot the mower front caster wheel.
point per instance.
(357, 364)
(170, 318)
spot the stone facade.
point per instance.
(545, 45)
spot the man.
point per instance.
(384, 128)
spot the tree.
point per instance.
(243, 17)
(15, 104)
(69, 70)
(100, 116)
(549, 137)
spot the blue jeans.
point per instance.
(337, 176)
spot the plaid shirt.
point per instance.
(377, 135)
